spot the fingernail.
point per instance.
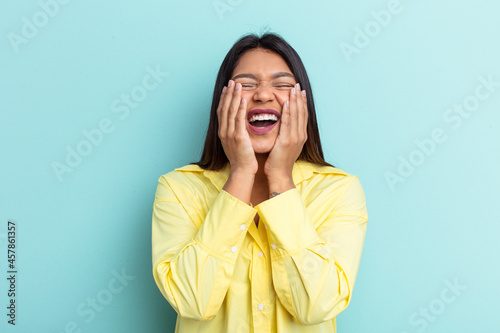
(243, 100)
(298, 86)
(287, 103)
(238, 85)
(230, 84)
(303, 93)
(224, 89)
(293, 91)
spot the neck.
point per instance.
(260, 177)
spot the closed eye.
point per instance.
(254, 86)
(278, 86)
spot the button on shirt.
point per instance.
(295, 272)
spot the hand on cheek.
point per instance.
(291, 138)
(231, 115)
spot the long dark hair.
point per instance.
(213, 156)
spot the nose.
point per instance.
(263, 93)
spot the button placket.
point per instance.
(260, 290)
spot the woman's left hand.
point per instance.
(290, 140)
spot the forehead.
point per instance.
(262, 63)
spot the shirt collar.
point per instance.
(301, 171)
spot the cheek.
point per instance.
(247, 94)
(283, 95)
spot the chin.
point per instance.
(262, 147)
(263, 144)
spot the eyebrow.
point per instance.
(274, 76)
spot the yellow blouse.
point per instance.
(293, 273)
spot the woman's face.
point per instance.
(266, 82)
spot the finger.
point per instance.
(294, 112)
(225, 105)
(305, 115)
(222, 125)
(233, 109)
(300, 110)
(285, 119)
(301, 114)
(241, 117)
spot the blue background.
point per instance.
(437, 225)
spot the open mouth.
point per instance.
(261, 121)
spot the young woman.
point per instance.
(261, 234)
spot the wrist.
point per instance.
(243, 175)
(279, 184)
(240, 185)
(243, 171)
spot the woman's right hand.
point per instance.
(231, 113)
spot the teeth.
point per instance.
(263, 116)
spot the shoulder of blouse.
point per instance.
(302, 171)
(304, 167)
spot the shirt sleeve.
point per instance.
(193, 266)
(314, 269)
